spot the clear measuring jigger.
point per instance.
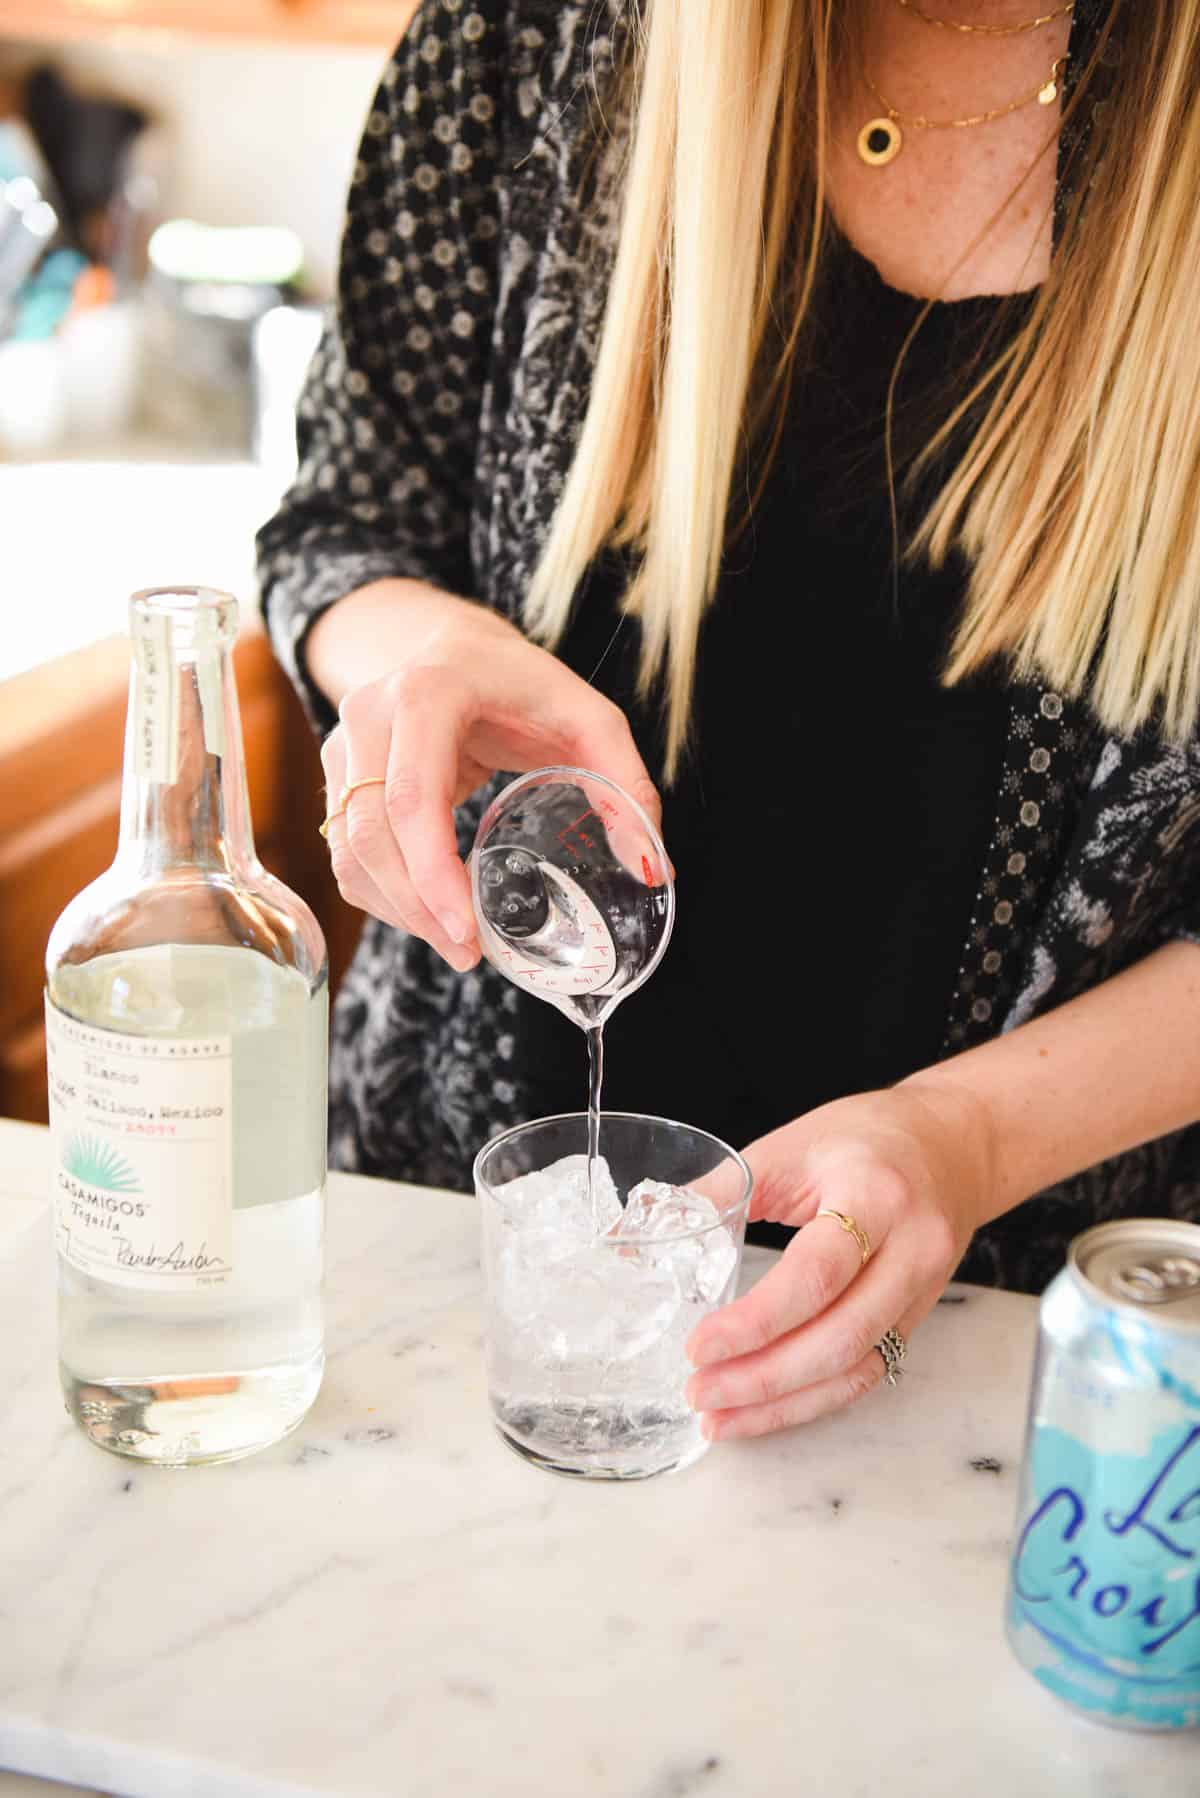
(572, 890)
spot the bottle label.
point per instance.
(206, 646)
(156, 745)
(142, 1131)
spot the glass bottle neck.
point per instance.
(183, 800)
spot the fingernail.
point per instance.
(452, 924)
(708, 1352)
(710, 1428)
(462, 960)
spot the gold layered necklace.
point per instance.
(881, 139)
(1046, 18)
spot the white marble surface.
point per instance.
(23, 1176)
(389, 1605)
(24, 1164)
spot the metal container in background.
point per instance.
(1104, 1583)
(206, 292)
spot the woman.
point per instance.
(792, 406)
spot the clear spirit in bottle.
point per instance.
(186, 1030)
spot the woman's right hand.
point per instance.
(464, 696)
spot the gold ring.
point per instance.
(851, 1228)
(339, 810)
(372, 780)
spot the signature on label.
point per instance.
(175, 1260)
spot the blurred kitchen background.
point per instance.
(172, 178)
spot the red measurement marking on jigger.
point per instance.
(573, 829)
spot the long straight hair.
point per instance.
(1077, 496)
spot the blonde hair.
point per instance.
(1077, 498)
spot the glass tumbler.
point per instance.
(591, 1296)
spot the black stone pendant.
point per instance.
(880, 141)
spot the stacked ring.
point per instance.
(893, 1348)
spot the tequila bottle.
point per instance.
(187, 1029)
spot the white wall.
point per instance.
(261, 134)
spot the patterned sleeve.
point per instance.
(388, 420)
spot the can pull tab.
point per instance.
(1159, 1282)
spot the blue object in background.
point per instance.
(44, 301)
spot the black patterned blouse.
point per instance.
(435, 432)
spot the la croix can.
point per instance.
(1104, 1583)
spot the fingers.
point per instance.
(531, 711)
(802, 1342)
(354, 883)
(815, 1269)
(861, 1172)
(333, 761)
(631, 832)
(428, 733)
(808, 1403)
(723, 1186)
(633, 846)
(423, 760)
(494, 717)
(599, 737)
(803, 1406)
(827, 1347)
(367, 862)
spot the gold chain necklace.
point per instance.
(1046, 18)
(881, 139)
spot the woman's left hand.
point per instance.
(914, 1167)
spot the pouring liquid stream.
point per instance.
(595, 1043)
(565, 916)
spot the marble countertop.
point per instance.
(390, 1605)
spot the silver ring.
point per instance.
(893, 1348)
